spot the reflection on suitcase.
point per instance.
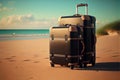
(72, 43)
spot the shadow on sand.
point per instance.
(104, 66)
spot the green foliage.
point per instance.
(114, 26)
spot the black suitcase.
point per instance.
(73, 41)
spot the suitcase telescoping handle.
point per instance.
(81, 5)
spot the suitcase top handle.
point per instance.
(81, 5)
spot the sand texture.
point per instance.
(29, 60)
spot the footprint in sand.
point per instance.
(116, 56)
(10, 59)
(27, 60)
(31, 78)
(13, 56)
(97, 57)
(46, 58)
(36, 61)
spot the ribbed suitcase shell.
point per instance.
(65, 45)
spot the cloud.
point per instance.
(4, 8)
(26, 21)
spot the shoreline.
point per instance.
(23, 37)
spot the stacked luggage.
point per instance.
(72, 43)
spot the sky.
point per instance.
(43, 14)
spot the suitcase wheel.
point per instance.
(52, 64)
(85, 65)
(72, 67)
(80, 65)
(93, 63)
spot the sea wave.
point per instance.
(22, 36)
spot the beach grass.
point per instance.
(114, 26)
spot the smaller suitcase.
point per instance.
(66, 45)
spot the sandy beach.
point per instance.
(29, 60)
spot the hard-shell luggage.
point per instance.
(73, 41)
(65, 45)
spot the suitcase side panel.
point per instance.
(89, 37)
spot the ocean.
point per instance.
(21, 34)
